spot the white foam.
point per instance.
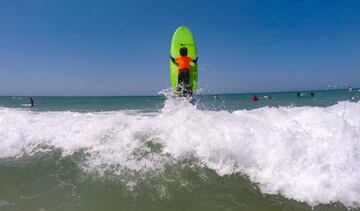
(309, 154)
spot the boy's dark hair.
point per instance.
(183, 51)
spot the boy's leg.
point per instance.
(180, 85)
(187, 86)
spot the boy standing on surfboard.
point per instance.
(183, 63)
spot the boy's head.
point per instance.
(183, 51)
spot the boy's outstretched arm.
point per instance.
(172, 58)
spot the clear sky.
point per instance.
(75, 47)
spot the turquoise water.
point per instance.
(229, 102)
(163, 153)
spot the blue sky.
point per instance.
(89, 47)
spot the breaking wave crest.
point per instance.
(309, 154)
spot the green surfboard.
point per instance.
(183, 38)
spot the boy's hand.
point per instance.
(171, 57)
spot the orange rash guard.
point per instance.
(184, 62)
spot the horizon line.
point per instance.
(157, 95)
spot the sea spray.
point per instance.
(309, 154)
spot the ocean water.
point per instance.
(226, 152)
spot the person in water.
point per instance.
(31, 102)
(255, 98)
(183, 62)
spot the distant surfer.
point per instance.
(312, 94)
(350, 89)
(255, 98)
(300, 94)
(31, 102)
(267, 97)
(183, 61)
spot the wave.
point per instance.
(310, 154)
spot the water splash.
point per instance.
(309, 154)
